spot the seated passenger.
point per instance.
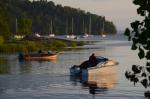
(89, 63)
(40, 51)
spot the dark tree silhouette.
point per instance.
(41, 12)
(140, 36)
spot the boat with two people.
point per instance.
(39, 56)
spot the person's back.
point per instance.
(40, 51)
(89, 63)
(93, 60)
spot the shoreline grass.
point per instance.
(31, 46)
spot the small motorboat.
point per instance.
(38, 56)
(105, 77)
(102, 63)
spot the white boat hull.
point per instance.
(105, 66)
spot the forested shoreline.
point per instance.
(36, 17)
(24, 17)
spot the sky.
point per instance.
(120, 12)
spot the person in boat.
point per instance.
(49, 51)
(20, 56)
(40, 51)
(92, 59)
(89, 63)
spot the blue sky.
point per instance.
(121, 12)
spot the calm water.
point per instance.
(51, 80)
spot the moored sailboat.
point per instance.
(51, 33)
(71, 35)
(84, 31)
(103, 34)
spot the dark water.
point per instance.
(51, 79)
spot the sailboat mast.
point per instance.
(16, 25)
(66, 26)
(103, 28)
(83, 27)
(90, 25)
(51, 26)
(103, 25)
(72, 25)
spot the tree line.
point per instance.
(26, 17)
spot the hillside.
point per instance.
(39, 16)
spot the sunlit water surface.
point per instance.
(51, 79)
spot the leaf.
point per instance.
(143, 38)
(144, 83)
(141, 53)
(148, 55)
(147, 94)
(135, 25)
(136, 80)
(143, 75)
(135, 69)
(134, 47)
(148, 64)
(129, 38)
(148, 69)
(132, 77)
(147, 47)
(136, 2)
(135, 41)
(127, 32)
(141, 11)
(127, 74)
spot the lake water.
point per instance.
(51, 79)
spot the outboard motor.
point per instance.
(20, 56)
(74, 71)
(84, 75)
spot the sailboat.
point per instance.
(16, 35)
(103, 28)
(51, 27)
(72, 36)
(85, 34)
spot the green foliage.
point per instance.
(42, 12)
(18, 46)
(31, 46)
(134, 47)
(3, 68)
(25, 26)
(4, 27)
(127, 32)
(1, 40)
(73, 44)
(141, 53)
(58, 45)
(147, 94)
(148, 55)
(140, 34)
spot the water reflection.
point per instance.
(3, 68)
(105, 77)
(35, 66)
(25, 66)
(99, 81)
